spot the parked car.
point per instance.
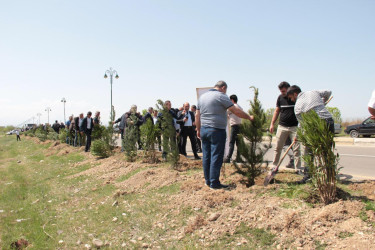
(12, 132)
(337, 128)
(366, 129)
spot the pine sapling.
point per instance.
(149, 133)
(251, 146)
(168, 131)
(131, 137)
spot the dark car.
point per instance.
(366, 129)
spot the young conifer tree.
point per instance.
(131, 137)
(149, 134)
(251, 146)
(103, 146)
(168, 131)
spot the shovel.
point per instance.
(273, 172)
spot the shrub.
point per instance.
(105, 143)
(149, 133)
(100, 148)
(251, 146)
(131, 137)
(62, 136)
(98, 132)
(321, 159)
(168, 131)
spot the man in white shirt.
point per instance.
(86, 127)
(18, 135)
(187, 129)
(235, 123)
(371, 105)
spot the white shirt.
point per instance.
(80, 122)
(88, 123)
(233, 119)
(371, 103)
(17, 132)
(189, 122)
(155, 119)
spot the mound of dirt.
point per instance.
(367, 188)
(149, 179)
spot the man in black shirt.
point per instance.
(287, 126)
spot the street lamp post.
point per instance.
(39, 114)
(48, 109)
(111, 72)
(63, 100)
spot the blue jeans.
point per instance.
(213, 145)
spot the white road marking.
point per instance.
(369, 156)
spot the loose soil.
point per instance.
(214, 215)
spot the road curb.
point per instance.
(344, 141)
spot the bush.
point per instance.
(251, 146)
(100, 148)
(98, 132)
(41, 133)
(168, 131)
(321, 159)
(149, 133)
(62, 136)
(131, 137)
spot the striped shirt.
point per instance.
(312, 100)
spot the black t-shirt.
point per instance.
(287, 116)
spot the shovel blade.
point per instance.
(269, 178)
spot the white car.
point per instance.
(12, 132)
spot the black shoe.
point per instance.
(290, 165)
(197, 157)
(220, 186)
(226, 160)
(304, 180)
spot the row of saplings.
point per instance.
(314, 133)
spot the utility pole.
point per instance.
(111, 72)
(63, 100)
(39, 114)
(48, 109)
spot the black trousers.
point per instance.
(234, 131)
(18, 137)
(198, 142)
(185, 133)
(88, 140)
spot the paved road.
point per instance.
(357, 162)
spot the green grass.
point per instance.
(129, 175)
(343, 235)
(319, 245)
(292, 191)
(256, 238)
(52, 206)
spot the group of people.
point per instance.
(79, 129)
(183, 123)
(211, 120)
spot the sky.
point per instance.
(166, 49)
